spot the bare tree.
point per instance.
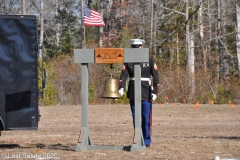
(190, 56)
(151, 27)
(224, 68)
(238, 35)
(201, 33)
(209, 31)
(57, 24)
(23, 7)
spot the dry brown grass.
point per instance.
(173, 83)
(179, 132)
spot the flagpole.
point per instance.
(100, 30)
(83, 27)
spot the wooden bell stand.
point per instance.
(110, 55)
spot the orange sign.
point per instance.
(109, 55)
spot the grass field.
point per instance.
(180, 132)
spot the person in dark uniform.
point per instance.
(149, 91)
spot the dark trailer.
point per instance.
(18, 72)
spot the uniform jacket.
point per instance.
(148, 70)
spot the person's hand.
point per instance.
(121, 91)
(154, 97)
(119, 83)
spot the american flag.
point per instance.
(92, 18)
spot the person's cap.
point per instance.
(137, 41)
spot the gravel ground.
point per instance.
(180, 131)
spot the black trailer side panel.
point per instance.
(18, 71)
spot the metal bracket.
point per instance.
(84, 140)
(138, 142)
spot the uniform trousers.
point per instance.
(145, 109)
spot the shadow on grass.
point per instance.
(72, 147)
(237, 138)
(218, 137)
(58, 146)
(9, 146)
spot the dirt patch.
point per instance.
(179, 132)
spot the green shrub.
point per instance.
(223, 96)
(49, 96)
(92, 91)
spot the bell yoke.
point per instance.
(143, 88)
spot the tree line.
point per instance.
(195, 44)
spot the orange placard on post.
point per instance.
(109, 55)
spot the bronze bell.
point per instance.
(111, 89)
